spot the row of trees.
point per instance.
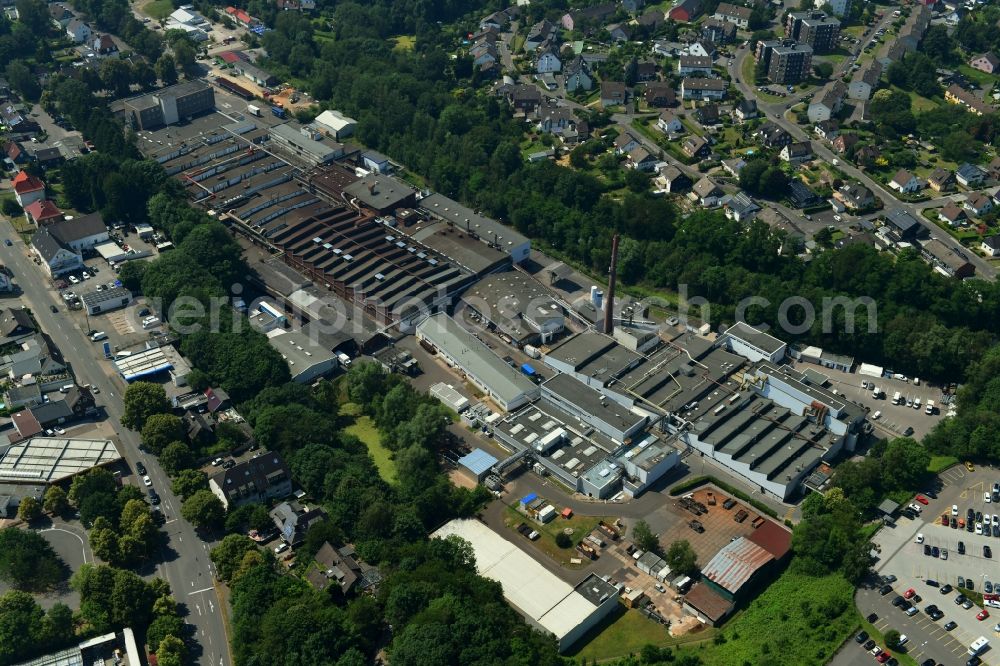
(26, 628)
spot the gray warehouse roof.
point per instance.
(475, 357)
(465, 218)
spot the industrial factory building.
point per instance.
(518, 306)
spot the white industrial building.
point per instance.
(308, 149)
(450, 397)
(547, 602)
(54, 459)
(751, 343)
(152, 361)
(336, 124)
(507, 387)
(306, 359)
(106, 300)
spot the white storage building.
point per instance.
(546, 601)
(336, 124)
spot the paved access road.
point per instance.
(185, 563)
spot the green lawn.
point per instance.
(158, 9)
(982, 78)
(939, 464)
(624, 632)
(580, 527)
(364, 429)
(798, 620)
(404, 42)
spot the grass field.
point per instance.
(940, 463)
(158, 9)
(404, 42)
(364, 429)
(806, 620)
(982, 78)
(581, 526)
(625, 632)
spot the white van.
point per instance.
(895, 398)
(978, 646)
(97, 336)
(877, 415)
(344, 359)
(65, 388)
(916, 403)
(930, 408)
(876, 392)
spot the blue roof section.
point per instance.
(527, 369)
(528, 499)
(478, 462)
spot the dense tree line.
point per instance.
(891, 469)
(26, 629)
(27, 561)
(975, 430)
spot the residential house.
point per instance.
(867, 154)
(801, 196)
(734, 166)
(619, 32)
(525, 98)
(60, 14)
(905, 182)
(625, 143)
(540, 33)
(987, 62)
(706, 193)
(671, 179)
(708, 116)
(689, 64)
(735, 14)
(42, 212)
(946, 260)
(484, 53)
(49, 157)
(104, 45)
(60, 246)
(548, 61)
(27, 188)
(685, 11)
(969, 175)
(953, 214)
(669, 123)
(941, 180)
(958, 95)
(865, 81)
(703, 48)
(796, 153)
(741, 207)
(613, 93)
(703, 89)
(827, 101)
(771, 136)
(576, 76)
(555, 119)
(78, 31)
(994, 168)
(340, 570)
(844, 142)
(991, 245)
(15, 152)
(652, 19)
(745, 110)
(645, 72)
(827, 129)
(696, 147)
(596, 15)
(855, 196)
(258, 480)
(15, 323)
(904, 225)
(719, 32)
(659, 94)
(76, 403)
(28, 395)
(293, 520)
(497, 20)
(641, 159)
(978, 204)
(914, 27)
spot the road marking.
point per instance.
(206, 589)
(199, 609)
(172, 520)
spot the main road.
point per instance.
(184, 561)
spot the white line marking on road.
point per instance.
(199, 609)
(205, 589)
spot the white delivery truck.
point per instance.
(978, 646)
(254, 110)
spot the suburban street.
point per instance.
(185, 562)
(776, 113)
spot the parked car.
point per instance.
(140, 468)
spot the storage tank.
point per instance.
(596, 297)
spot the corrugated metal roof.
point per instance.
(735, 563)
(478, 462)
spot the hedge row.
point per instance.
(698, 481)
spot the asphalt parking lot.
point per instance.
(901, 556)
(894, 419)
